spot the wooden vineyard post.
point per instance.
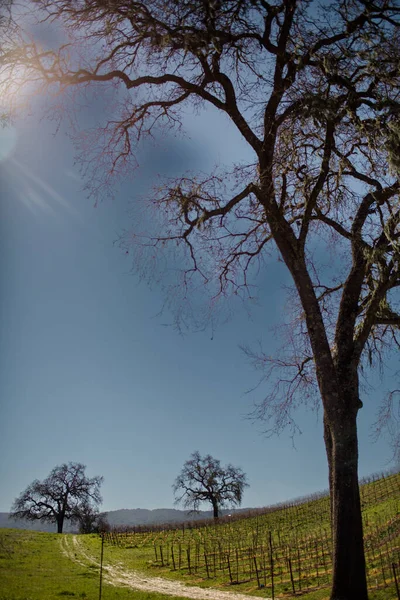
(162, 557)
(101, 566)
(291, 575)
(197, 556)
(323, 558)
(368, 575)
(206, 562)
(257, 575)
(373, 552)
(173, 556)
(272, 566)
(237, 565)
(229, 566)
(382, 567)
(387, 549)
(305, 569)
(250, 564)
(299, 564)
(188, 559)
(155, 551)
(395, 580)
(264, 565)
(179, 556)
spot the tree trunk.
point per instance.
(349, 575)
(329, 452)
(60, 523)
(215, 509)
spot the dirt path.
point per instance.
(73, 548)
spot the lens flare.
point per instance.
(8, 141)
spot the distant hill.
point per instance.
(143, 516)
(32, 525)
(116, 518)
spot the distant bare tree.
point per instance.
(313, 91)
(89, 519)
(67, 493)
(202, 479)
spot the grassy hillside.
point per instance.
(288, 548)
(34, 566)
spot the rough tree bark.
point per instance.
(60, 523)
(215, 510)
(349, 577)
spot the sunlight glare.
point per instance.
(8, 141)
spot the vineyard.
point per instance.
(283, 550)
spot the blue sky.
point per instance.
(89, 369)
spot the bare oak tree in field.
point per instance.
(67, 493)
(202, 479)
(314, 93)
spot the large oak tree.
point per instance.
(314, 93)
(66, 493)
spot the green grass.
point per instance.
(33, 567)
